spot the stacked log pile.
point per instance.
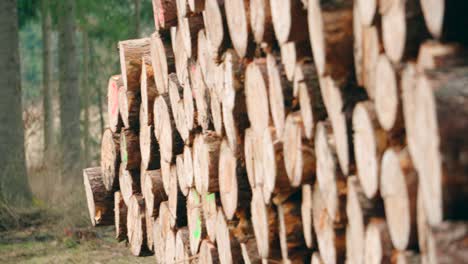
(271, 131)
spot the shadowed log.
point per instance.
(113, 113)
(110, 159)
(378, 246)
(136, 226)
(99, 200)
(289, 20)
(120, 213)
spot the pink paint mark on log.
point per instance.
(115, 99)
(161, 14)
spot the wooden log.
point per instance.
(234, 188)
(293, 53)
(261, 21)
(170, 249)
(129, 107)
(176, 202)
(406, 257)
(299, 156)
(280, 93)
(189, 107)
(306, 215)
(113, 113)
(331, 36)
(120, 214)
(210, 203)
(216, 111)
(159, 241)
(166, 219)
(358, 47)
(275, 178)
(445, 19)
(237, 17)
(214, 17)
(149, 147)
(330, 237)
(372, 48)
(441, 99)
(370, 141)
(206, 149)
(177, 107)
(165, 14)
(162, 61)
(265, 225)
(189, 27)
(208, 253)
(196, 6)
(148, 93)
(423, 227)
(110, 159)
(205, 54)
(447, 243)
(98, 198)
(201, 96)
(403, 30)
(182, 247)
(378, 246)
(130, 149)
(306, 88)
(398, 187)
(367, 11)
(359, 210)
(188, 166)
(408, 88)
(180, 55)
(129, 181)
(293, 246)
(153, 191)
(195, 221)
(136, 226)
(131, 53)
(289, 20)
(256, 95)
(234, 106)
(433, 54)
(170, 142)
(316, 258)
(180, 170)
(175, 92)
(250, 252)
(331, 181)
(388, 105)
(249, 156)
(229, 248)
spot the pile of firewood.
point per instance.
(290, 131)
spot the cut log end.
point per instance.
(99, 200)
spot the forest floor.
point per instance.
(45, 243)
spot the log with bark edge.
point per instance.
(253, 174)
(195, 221)
(358, 47)
(433, 54)
(180, 55)
(170, 142)
(234, 188)
(149, 147)
(191, 116)
(182, 247)
(378, 246)
(189, 27)
(110, 159)
(265, 225)
(196, 6)
(387, 100)
(159, 241)
(176, 106)
(398, 187)
(299, 155)
(372, 48)
(188, 167)
(153, 194)
(131, 53)
(370, 141)
(293, 53)
(216, 111)
(206, 149)
(136, 226)
(280, 93)
(208, 253)
(98, 198)
(306, 214)
(446, 19)
(403, 30)
(331, 181)
(306, 88)
(229, 248)
(176, 202)
(289, 20)
(234, 107)
(441, 102)
(162, 61)
(406, 257)
(129, 182)
(148, 93)
(129, 108)
(165, 14)
(210, 203)
(201, 96)
(214, 17)
(261, 21)
(113, 113)
(130, 149)
(170, 247)
(293, 246)
(237, 17)
(331, 36)
(367, 11)
(256, 95)
(181, 178)
(120, 214)
(330, 236)
(447, 243)
(359, 210)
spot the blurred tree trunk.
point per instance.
(69, 91)
(96, 86)
(14, 187)
(137, 17)
(49, 137)
(86, 98)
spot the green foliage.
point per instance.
(27, 11)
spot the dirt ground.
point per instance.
(43, 244)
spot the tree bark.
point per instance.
(100, 201)
(447, 243)
(289, 20)
(165, 14)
